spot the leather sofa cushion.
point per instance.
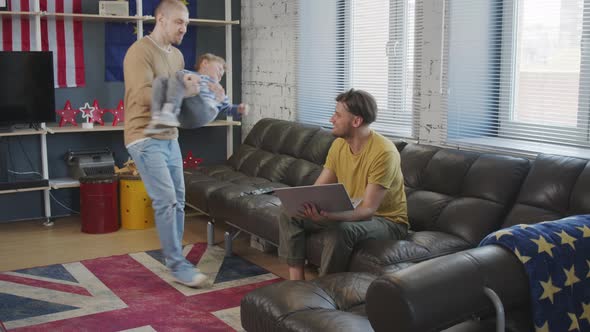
(258, 132)
(200, 190)
(240, 156)
(202, 182)
(274, 138)
(446, 171)
(305, 306)
(546, 192)
(224, 199)
(299, 137)
(378, 257)
(462, 193)
(414, 159)
(255, 161)
(302, 173)
(507, 172)
(317, 152)
(276, 169)
(256, 214)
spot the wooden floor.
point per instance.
(26, 244)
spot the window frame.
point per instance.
(344, 46)
(510, 128)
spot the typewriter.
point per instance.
(92, 162)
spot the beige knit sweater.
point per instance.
(145, 61)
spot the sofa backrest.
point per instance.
(463, 193)
(283, 151)
(556, 187)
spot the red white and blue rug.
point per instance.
(131, 292)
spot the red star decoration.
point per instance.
(97, 114)
(68, 115)
(118, 113)
(190, 161)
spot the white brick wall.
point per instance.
(432, 124)
(268, 60)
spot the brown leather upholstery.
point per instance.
(423, 283)
(275, 154)
(455, 198)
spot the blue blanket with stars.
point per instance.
(556, 257)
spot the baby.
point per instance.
(170, 108)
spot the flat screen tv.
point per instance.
(27, 93)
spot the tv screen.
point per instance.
(27, 93)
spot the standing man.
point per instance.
(368, 165)
(158, 157)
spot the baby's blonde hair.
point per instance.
(211, 58)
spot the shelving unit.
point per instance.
(23, 132)
(37, 15)
(107, 18)
(62, 183)
(12, 191)
(79, 129)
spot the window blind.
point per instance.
(370, 45)
(517, 73)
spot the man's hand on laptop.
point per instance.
(310, 211)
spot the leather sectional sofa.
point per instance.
(444, 293)
(274, 154)
(455, 198)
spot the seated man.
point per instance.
(368, 164)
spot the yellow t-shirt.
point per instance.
(378, 163)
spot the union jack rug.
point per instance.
(131, 292)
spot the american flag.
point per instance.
(64, 37)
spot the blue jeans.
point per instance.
(160, 165)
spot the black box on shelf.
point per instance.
(90, 162)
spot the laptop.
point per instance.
(328, 197)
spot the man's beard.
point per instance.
(178, 42)
(342, 134)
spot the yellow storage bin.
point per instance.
(135, 204)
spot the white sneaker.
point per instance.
(166, 118)
(152, 130)
(198, 279)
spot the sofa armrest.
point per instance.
(444, 291)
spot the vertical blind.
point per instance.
(517, 72)
(370, 45)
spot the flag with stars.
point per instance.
(120, 36)
(556, 257)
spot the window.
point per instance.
(517, 73)
(370, 45)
